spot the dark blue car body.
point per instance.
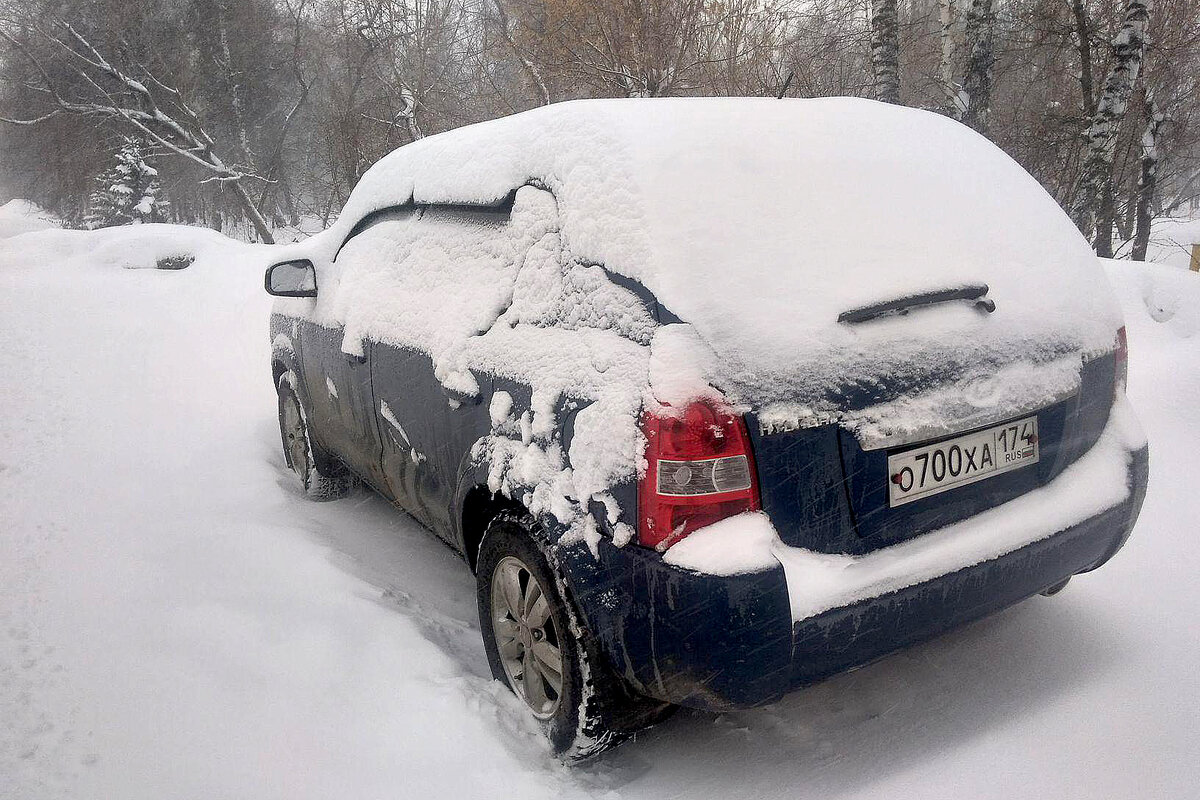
(676, 635)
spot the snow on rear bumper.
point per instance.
(853, 635)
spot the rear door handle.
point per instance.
(353, 359)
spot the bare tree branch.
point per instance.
(187, 139)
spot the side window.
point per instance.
(381, 217)
(427, 280)
(576, 296)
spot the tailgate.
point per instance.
(826, 488)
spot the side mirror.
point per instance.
(292, 279)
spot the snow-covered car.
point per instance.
(717, 397)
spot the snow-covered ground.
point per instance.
(21, 216)
(176, 621)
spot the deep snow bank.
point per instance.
(177, 622)
(122, 247)
(1169, 294)
(176, 619)
(1171, 240)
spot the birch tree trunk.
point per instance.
(233, 84)
(981, 57)
(1094, 206)
(532, 71)
(256, 218)
(1125, 222)
(946, 16)
(1148, 180)
(408, 112)
(885, 50)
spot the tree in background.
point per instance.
(297, 98)
(163, 73)
(1096, 209)
(954, 101)
(885, 50)
(128, 192)
(1148, 178)
(976, 97)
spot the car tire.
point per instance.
(320, 475)
(584, 708)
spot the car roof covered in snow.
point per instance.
(760, 221)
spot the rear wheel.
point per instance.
(537, 647)
(528, 638)
(320, 476)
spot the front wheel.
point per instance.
(537, 647)
(320, 476)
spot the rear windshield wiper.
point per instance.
(973, 292)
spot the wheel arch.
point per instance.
(284, 347)
(480, 506)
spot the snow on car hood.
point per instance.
(759, 221)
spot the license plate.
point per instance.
(966, 459)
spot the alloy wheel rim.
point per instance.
(527, 637)
(295, 439)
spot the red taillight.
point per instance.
(1121, 363)
(699, 470)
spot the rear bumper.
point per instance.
(719, 643)
(857, 634)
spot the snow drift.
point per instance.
(123, 247)
(21, 216)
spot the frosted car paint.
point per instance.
(345, 423)
(426, 434)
